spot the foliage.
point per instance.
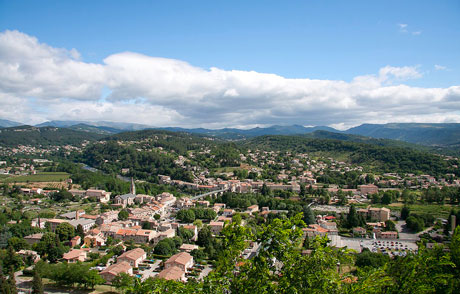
(123, 214)
(70, 274)
(166, 247)
(44, 136)
(185, 234)
(37, 284)
(65, 232)
(371, 259)
(189, 215)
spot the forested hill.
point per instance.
(419, 133)
(179, 142)
(45, 136)
(381, 158)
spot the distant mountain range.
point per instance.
(429, 134)
(4, 123)
(232, 133)
(419, 133)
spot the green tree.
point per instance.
(166, 247)
(198, 223)
(12, 282)
(237, 218)
(80, 232)
(405, 211)
(37, 284)
(18, 243)
(308, 216)
(123, 214)
(390, 225)
(123, 282)
(185, 234)
(186, 215)
(204, 237)
(414, 223)
(352, 218)
(265, 190)
(454, 247)
(65, 231)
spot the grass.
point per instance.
(436, 210)
(40, 177)
(227, 169)
(99, 289)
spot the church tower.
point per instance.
(132, 189)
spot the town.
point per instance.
(172, 229)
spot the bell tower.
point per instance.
(132, 189)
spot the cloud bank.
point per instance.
(39, 82)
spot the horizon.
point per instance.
(230, 65)
(245, 128)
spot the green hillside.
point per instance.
(44, 136)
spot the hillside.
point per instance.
(428, 134)
(235, 134)
(379, 158)
(45, 136)
(418, 133)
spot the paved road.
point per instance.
(208, 193)
(150, 272)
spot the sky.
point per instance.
(218, 64)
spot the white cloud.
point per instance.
(39, 82)
(439, 67)
(402, 27)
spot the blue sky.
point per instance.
(324, 40)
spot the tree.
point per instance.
(18, 243)
(37, 284)
(4, 285)
(455, 247)
(308, 216)
(352, 218)
(91, 279)
(123, 214)
(414, 223)
(303, 191)
(157, 216)
(185, 234)
(80, 232)
(198, 223)
(166, 247)
(65, 231)
(265, 190)
(237, 218)
(405, 211)
(186, 215)
(204, 237)
(12, 282)
(390, 225)
(9, 259)
(386, 198)
(122, 282)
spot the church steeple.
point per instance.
(132, 189)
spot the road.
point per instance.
(208, 193)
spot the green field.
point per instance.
(436, 210)
(41, 177)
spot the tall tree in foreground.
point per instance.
(37, 284)
(12, 282)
